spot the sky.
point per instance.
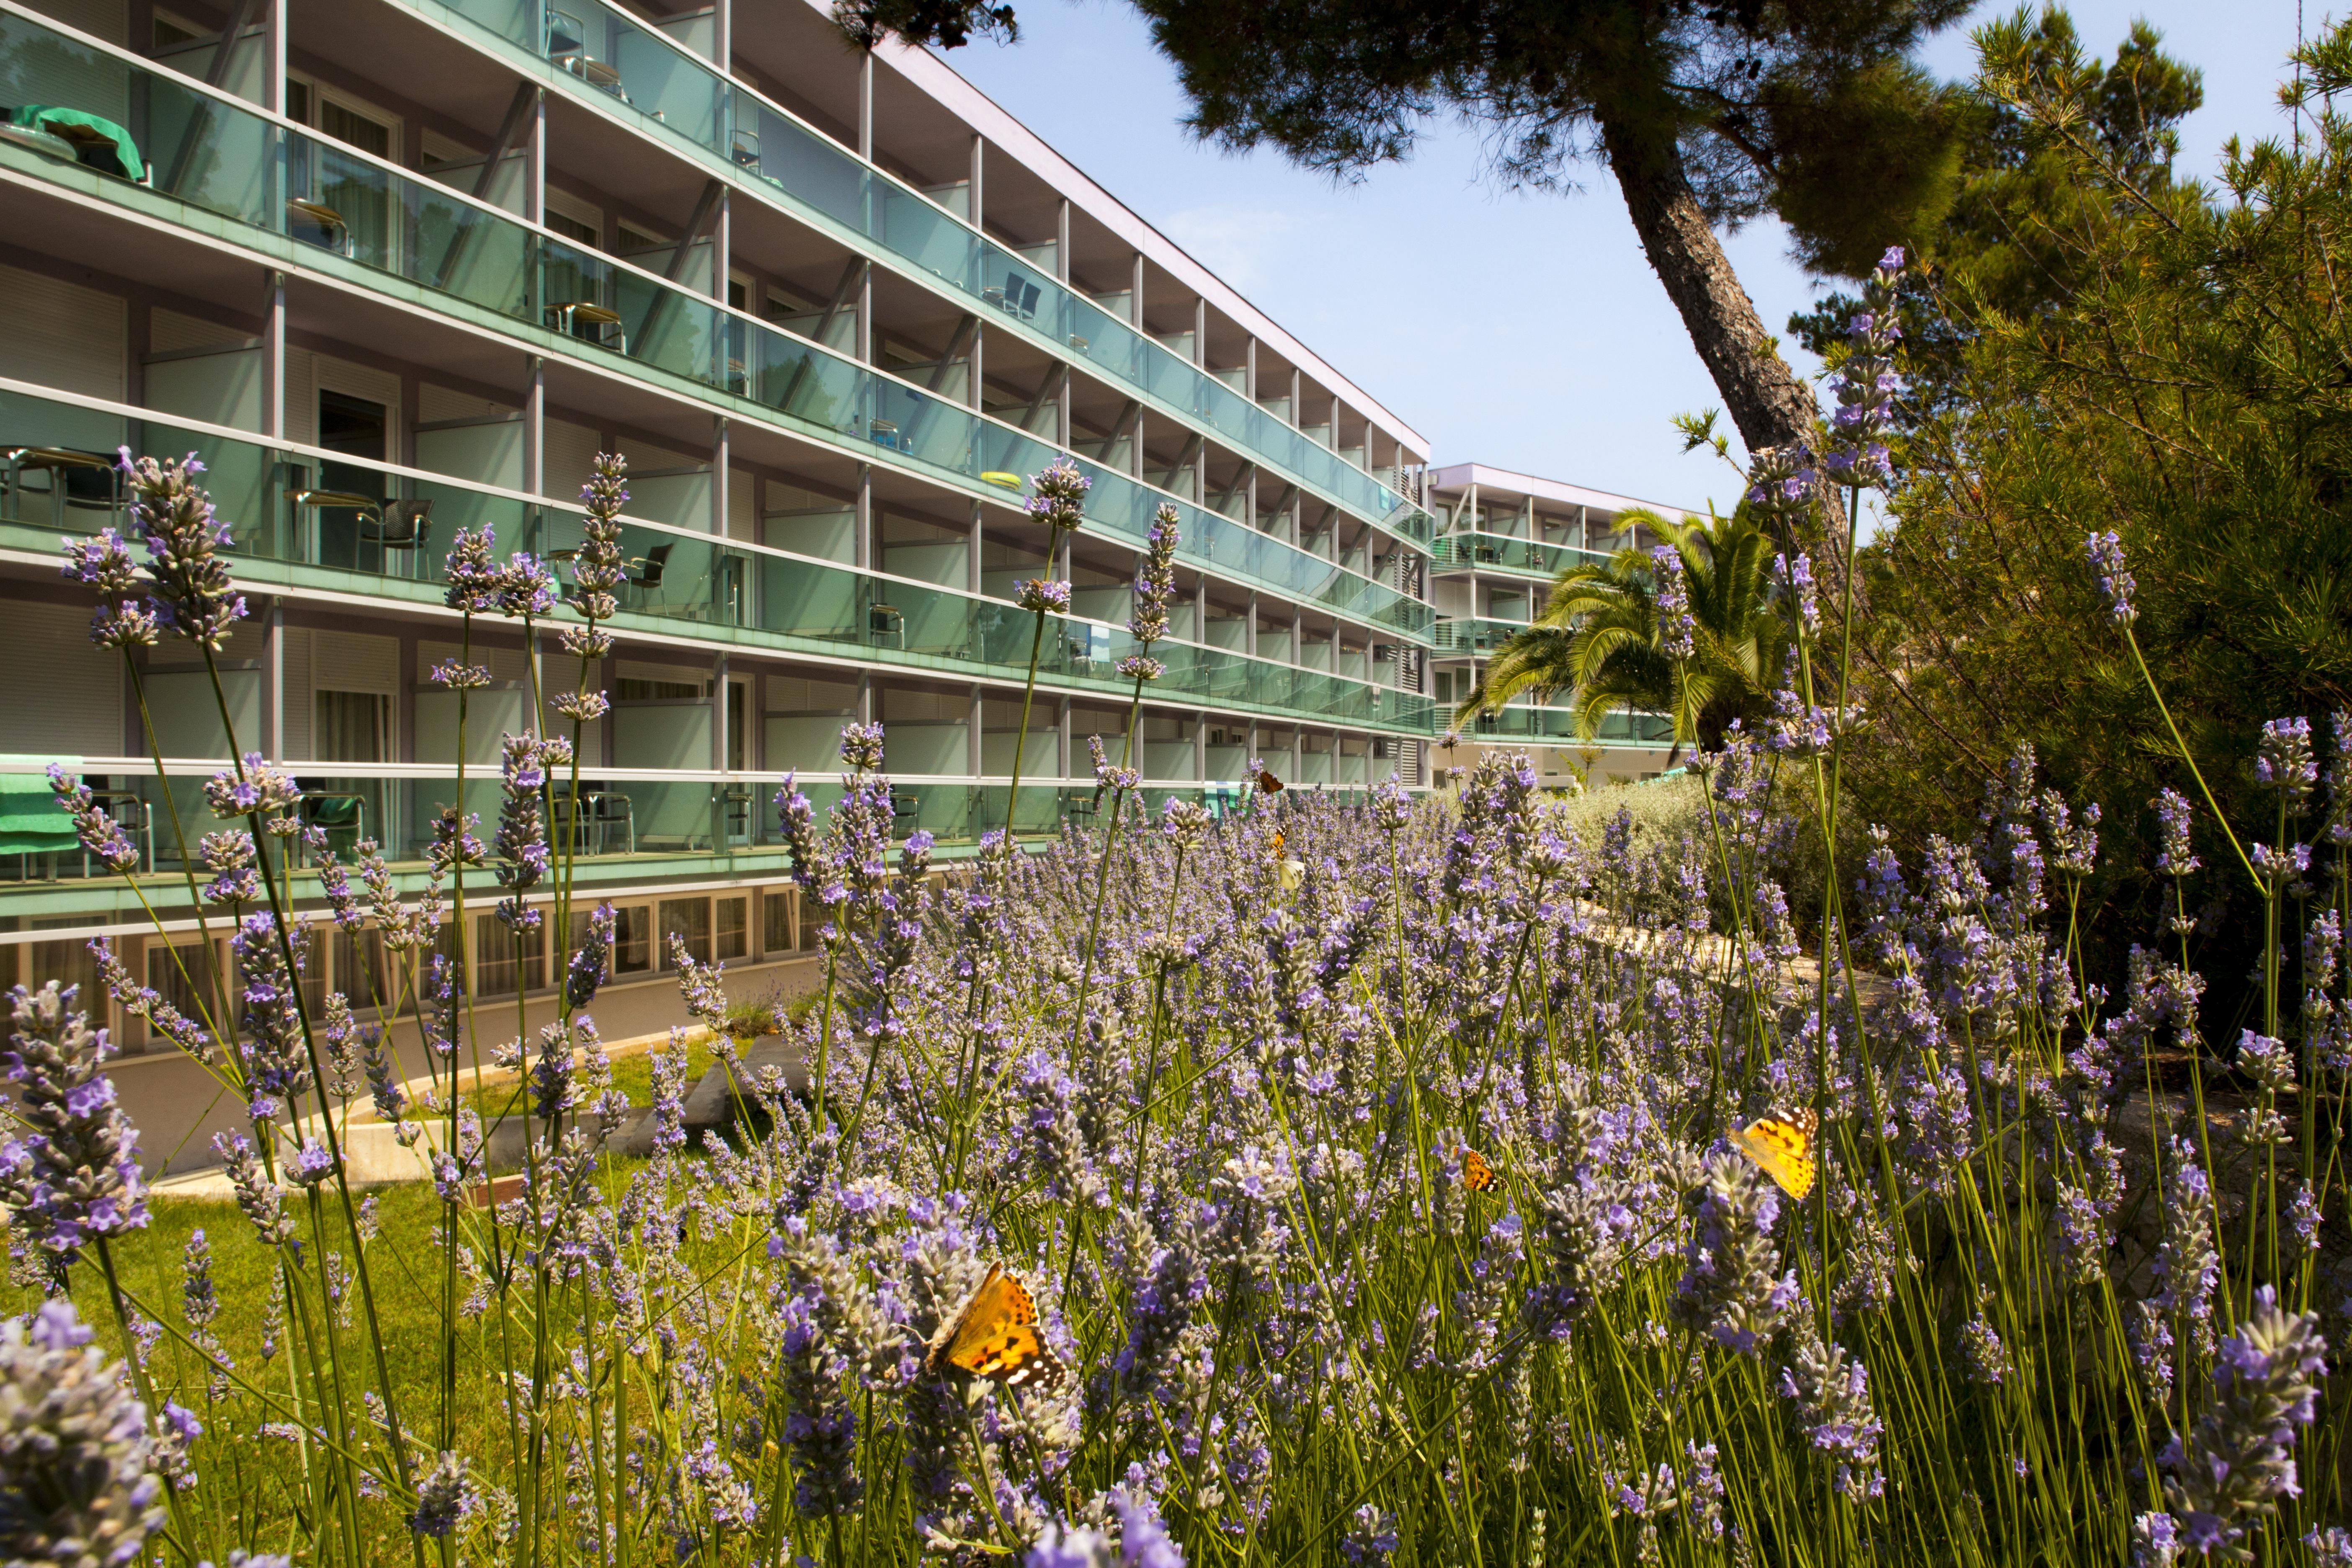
(1526, 332)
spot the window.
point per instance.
(352, 727)
(734, 933)
(494, 958)
(688, 918)
(776, 921)
(632, 944)
(572, 228)
(630, 690)
(35, 963)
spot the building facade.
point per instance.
(397, 268)
(1502, 539)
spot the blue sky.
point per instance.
(1527, 332)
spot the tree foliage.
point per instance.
(2179, 372)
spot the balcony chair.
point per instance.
(886, 627)
(645, 571)
(89, 480)
(570, 315)
(315, 223)
(401, 525)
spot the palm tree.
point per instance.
(1599, 637)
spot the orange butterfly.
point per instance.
(1477, 1175)
(995, 1335)
(1782, 1147)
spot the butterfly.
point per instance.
(1477, 1175)
(1268, 782)
(1782, 1148)
(995, 1335)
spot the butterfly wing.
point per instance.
(1782, 1147)
(1268, 782)
(1477, 1174)
(995, 1336)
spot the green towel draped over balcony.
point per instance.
(87, 131)
(30, 820)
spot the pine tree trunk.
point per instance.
(1766, 402)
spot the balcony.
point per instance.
(383, 530)
(630, 825)
(1473, 634)
(604, 54)
(1557, 727)
(214, 154)
(1501, 553)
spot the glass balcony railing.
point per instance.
(1468, 634)
(622, 817)
(211, 151)
(1557, 726)
(640, 67)
(1501, 553)
(391, 527)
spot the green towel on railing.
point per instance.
(101, 143)
(30, 820)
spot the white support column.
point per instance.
(273, 354)
(973, 556)
(723, 35)
(1061, 740)
(1061, 242)
(722, 248)
(719, 449)
(1135, 298)
(534, 425)
(273, 62)
(1201, 748)
(975, 205)
(1135, 444)
(719, 717)
(1249, 628)
(534, 163)
(976, 735)
(864, 345)
(1298, 396)
(863, 543)
(1201, 331)
(1249, 370)
(865, 106)
(273, 683)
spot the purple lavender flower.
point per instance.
(76, 1456)
(2106, 553)
(526, 587)
(861, 748)
(2230, 1472)
(254, 788)
(1059, 495)
(1795, 577)
(2284, 760)
(1729, 1290)
(524, 858)
(591, 963)
(72, 1173)
(1043, 595)
(2174, 856)
(472, 572)
(99, 833)
(446, 1498)
(275, 1060)
(121, 620)
(310, 1165)
(184, 539)
(1155, 583)
(1678, 631)
(257, 1194)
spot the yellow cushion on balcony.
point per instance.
(998, 476)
